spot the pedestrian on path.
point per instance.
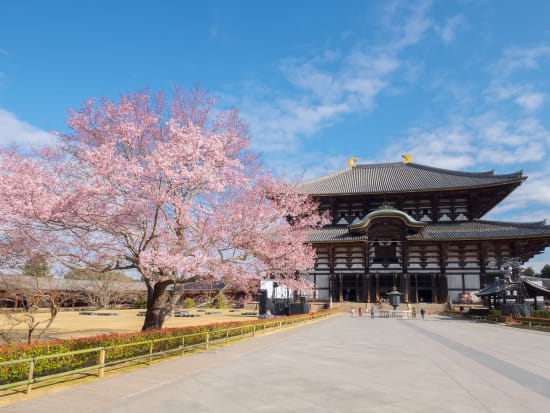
(372, 313)
(360, 312)
(422, 312)
(352, 312)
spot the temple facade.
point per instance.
(415, 227)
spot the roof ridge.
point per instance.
(490, 172)
(532, 224)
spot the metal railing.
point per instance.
(395, 314)
(98, 358)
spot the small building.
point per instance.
(416, 227)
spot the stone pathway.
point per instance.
(342, 364)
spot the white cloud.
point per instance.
(408, 21)
(504, 86)
(332, 83)
(485, 140)
(17, 132)
(449, 29)
(517, 58)
(530, 102)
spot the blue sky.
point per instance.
(458, 84)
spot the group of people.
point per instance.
(360, 312)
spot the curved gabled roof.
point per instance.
(402, 177)
(386, 213)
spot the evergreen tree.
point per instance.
(37, 266)
(545, 272)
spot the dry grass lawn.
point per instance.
(72, 324)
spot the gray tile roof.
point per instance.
(476, 229)
(401, 177)
(480, 229)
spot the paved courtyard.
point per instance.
(341, 364)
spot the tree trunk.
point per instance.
(156, 305)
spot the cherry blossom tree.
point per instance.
(162, 186)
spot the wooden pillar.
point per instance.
(434, 289)
(406, 287)
(416, 287)
(368, 289)
(315, 289)
(357, 288)
(332, 276)
(340, 287)
(377, 287)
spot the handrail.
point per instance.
(102, 357)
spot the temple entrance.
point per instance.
(423, 288)
(350, 288)
(425, 296)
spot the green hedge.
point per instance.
(118, 346)
(540, 313)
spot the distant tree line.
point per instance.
(530, 272)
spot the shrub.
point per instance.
(139, 303)
(221, 301)
(189, 303)
(541, 313)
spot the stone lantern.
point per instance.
(394, 297)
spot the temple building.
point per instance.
(415, 227)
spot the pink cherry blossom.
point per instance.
(164, 187)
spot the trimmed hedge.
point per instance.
(541, 313)
(120, 347)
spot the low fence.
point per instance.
(395, 314)
(28, 371)
(529, 322)
(532, 322)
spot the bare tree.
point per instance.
(103, 289)
(27, 295)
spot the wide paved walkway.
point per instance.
(337, 365)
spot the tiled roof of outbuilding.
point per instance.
(402, 177)
(476, 229)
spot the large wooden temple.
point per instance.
(417, 228)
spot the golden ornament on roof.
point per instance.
(407, 158)
(351, 162)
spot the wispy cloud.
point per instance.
(14, 131)
(485, 140)
(407, 22)
(504, 84)
(329, 84)
(530, 102)
(518, 58)
(449, 29)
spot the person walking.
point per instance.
(372, 312)
(422, 312)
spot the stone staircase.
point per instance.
(431, 308)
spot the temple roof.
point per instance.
(466, 230)
(481, 229)
(402, 177)
(533, 287)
